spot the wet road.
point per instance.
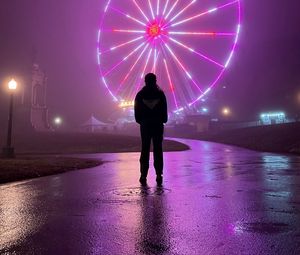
(216, 199)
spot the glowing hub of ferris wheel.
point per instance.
(187, 44)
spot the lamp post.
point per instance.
(8, 151)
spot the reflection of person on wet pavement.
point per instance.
(154, 230)
(150, 108)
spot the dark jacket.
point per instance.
(150, 106)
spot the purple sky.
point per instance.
(264, 74)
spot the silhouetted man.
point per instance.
(150, 110)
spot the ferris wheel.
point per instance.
(188, 44)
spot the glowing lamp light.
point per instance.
(226, 111)
(12, 85)
(57, 121)
(126, 104)
(154, 30)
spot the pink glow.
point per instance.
(132, 67)
(183, 10)
(151, 9)
(156, 52)
(166, 6)
(139, 8)
(124, 59)
(201, 33)
(183, 68)
(128, 16)
(204, 13)
(121, 45)
(130, 31)
(196, 52)
(172, 8)
(143, 73)
(171, 83)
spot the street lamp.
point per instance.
(226, 111)
(57, 122)
(8, 151)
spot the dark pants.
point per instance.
(155, 133)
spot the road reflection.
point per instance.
(153, 236)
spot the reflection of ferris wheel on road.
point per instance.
(187, 43)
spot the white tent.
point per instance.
(94, 125)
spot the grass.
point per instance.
(32, 167)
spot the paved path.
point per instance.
(216, 199)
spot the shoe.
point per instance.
(159, 180)
(143, 181)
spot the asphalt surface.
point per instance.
(216, 199)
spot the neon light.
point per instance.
(196, 52)
(154, 30)
(183, 68)
(170, 83)
(106, 7)
(183, 10)
(152, 48)
(154, 60)
(139, 8)
(126, 43)
(129, 31)
(172, 8)
(143, 73)
(128, 16)
(132, 67)
(99, 34)
(164, 11)
(212, 10)
(150, 6)
(124, 59)
(201, 33)
(204, 13)
(122, 44)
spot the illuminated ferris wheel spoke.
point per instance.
(166, 6)
(143, 73)
(157, 10)
(124, 59)
(183, 10)
(122, 44)
(201, 33)
(172, 8)
(155, 60)
(128, 16)
(196, 52)
(139, 8)
(132, 67)
(151, 9)
(182, 66)
(204, 13)
(171, 84)
(129, 31)
(180, 91)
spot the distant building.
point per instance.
(272, 118)
(39, 110)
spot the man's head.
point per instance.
(150, 79)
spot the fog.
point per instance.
(61, 36)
